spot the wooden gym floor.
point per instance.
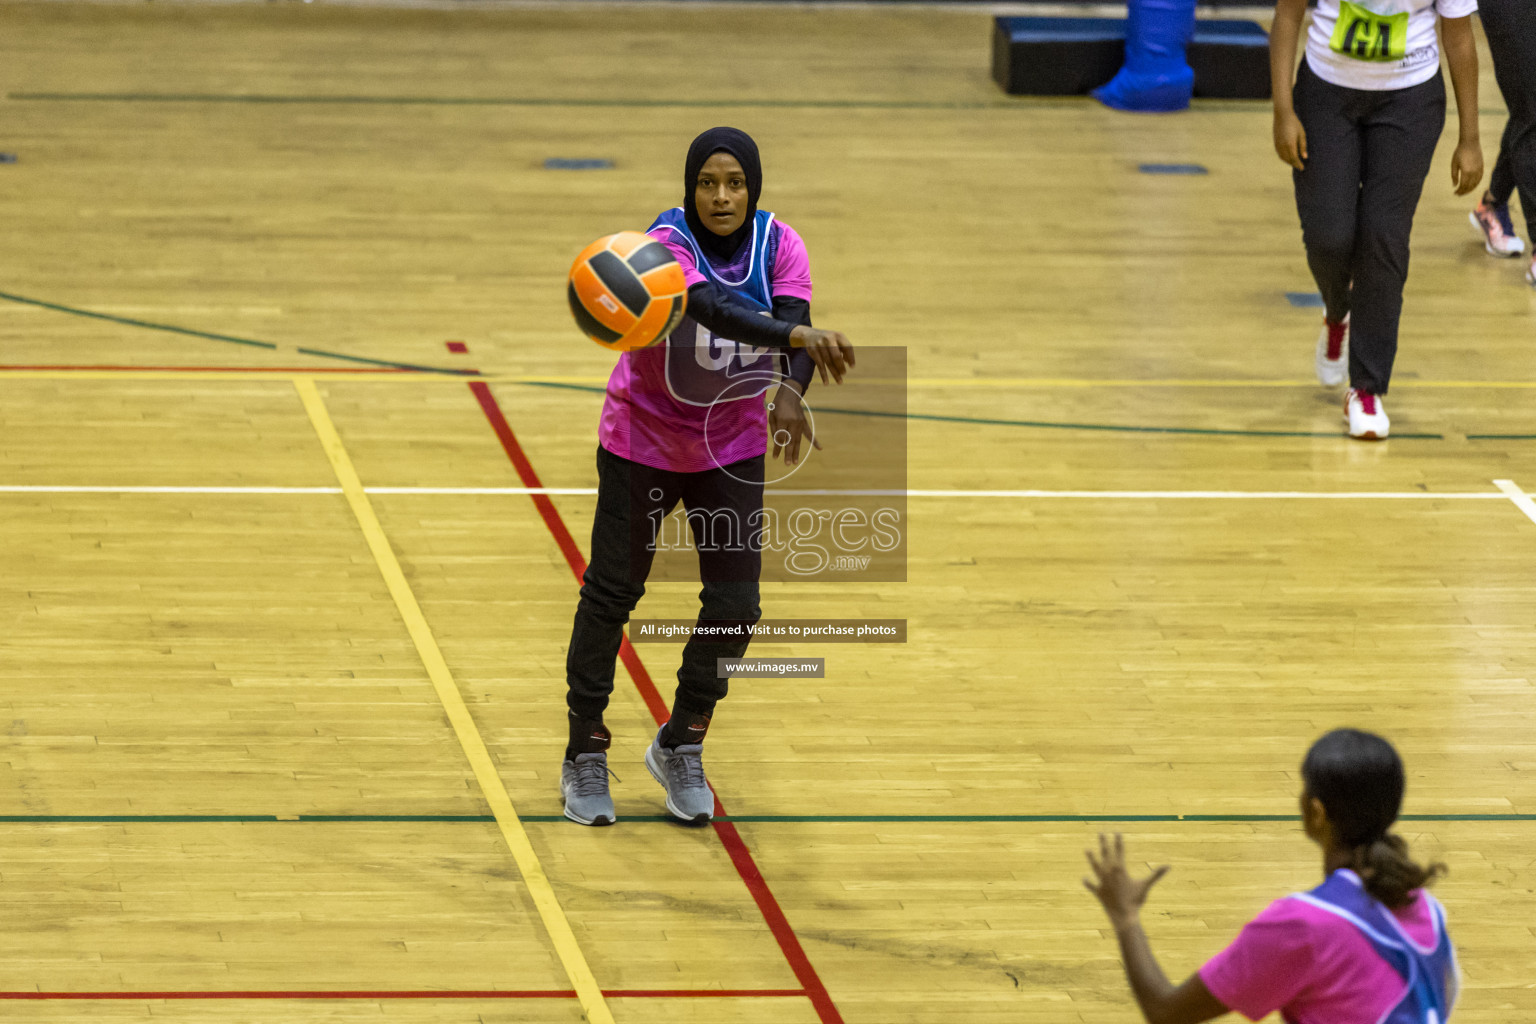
(282, 723)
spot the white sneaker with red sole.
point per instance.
(1367, 419)
(1333, 353)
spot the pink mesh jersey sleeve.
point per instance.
(1313, 965)
(791, 266)
(1268, 963)
(681, 250)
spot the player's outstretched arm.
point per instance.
(1122, 897)
(729, 317)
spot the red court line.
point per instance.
(620, 993)
(221, 369)
(740, 856)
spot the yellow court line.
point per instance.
(555, 921)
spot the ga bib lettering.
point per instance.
(1366, 35)
(705, 369)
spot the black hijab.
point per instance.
(722, 248)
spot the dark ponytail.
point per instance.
(1359, 780)
(1389, 873)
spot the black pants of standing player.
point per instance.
(1511, 29)
(1368, 153)
(632, 500)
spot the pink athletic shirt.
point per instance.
(643, 421)
(1312, 966)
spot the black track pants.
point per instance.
(1511, 29)
(631, 499)
(1368, 153)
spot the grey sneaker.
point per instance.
(680, 770)
(584, 782)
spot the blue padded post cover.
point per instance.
(1156, 75)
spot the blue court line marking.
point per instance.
(1305, 300)
(854, 819)
(557, 163)
(232, 339)
(1040, 424)
(1192, 169)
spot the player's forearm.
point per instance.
(798, 312)
(1284, 34)
(729, 317)
(1461, 55)
(1148, 982)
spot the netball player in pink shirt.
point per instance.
(1367, 946)
(685, 421)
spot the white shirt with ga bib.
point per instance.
(1379, 44)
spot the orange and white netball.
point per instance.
(626, 291)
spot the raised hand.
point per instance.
(1121, 895)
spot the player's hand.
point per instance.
(1121, 895)
(1290, 139)
(787, 424)
(831, 351)
(1467, 166)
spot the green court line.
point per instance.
(852, 819)
(91, 819)
(399, 817)
(135, 323)
(1044, 425)
(1083, 818)
(591, 389)
(211, 336)
(930, 417)
(388, 362)
(1016, 103)
(1114, 428)
(1020, 103)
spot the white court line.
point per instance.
(1508, 492)
(1522, 500)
